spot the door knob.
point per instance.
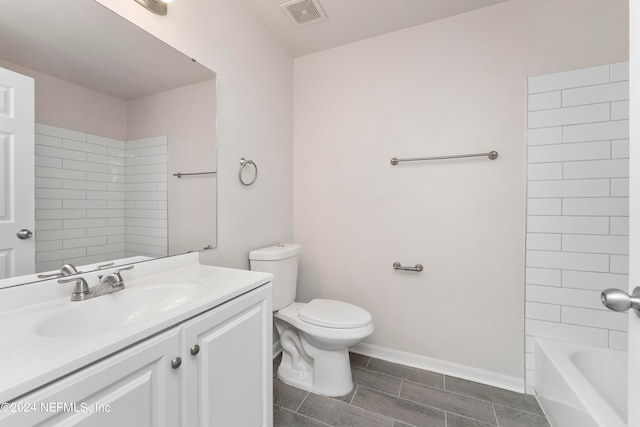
(24, 234)
(619, 300)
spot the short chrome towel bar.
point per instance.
(491, 155)
(398, 266)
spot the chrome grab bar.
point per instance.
(397, 266)
(492, 155)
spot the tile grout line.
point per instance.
(431, 406)
(368, 362)
(354, 395)
(387, 375)
(304, 416)
(473, 419)
(402, 380)
(472, 397)
(520, 410)
(300, 405)
(495, 414)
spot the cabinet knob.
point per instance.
(195, 349)
(175, 363)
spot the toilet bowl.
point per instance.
(314, 336)
(315, 357)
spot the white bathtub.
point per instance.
(581, 386)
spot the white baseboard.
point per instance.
(440, 366)
(443, 367)
(277, 349)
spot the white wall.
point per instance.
(187, 116)
(578, 206)
(255, 116)
(453, 86)
(67, 105)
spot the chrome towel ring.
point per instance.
(243, 163)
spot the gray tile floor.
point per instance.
(392, 395)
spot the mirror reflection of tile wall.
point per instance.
(97, 198)
(146, 197)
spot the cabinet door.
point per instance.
(228, 383)
(136, 387)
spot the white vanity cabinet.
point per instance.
(135, 387)
(228, 369)
(223, 378)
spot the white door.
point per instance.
(634, 214)
(17, 255)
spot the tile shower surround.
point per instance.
(98, 198)
(392, 395)
(578, 206)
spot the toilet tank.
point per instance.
(282, 261)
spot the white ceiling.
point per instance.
(83, 42)
(352, 20)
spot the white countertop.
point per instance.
(29, 360)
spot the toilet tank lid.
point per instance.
(275, 252)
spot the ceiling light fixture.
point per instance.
(159, 7)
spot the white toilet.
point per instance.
(314, 336)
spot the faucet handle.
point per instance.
(49, 276)
(115, 279)
(129, 267)
(101, 266)
(66, 270)
(81, 289)
(117, 273)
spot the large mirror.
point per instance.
(123, 157)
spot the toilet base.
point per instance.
(324, 372)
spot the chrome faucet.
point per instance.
(110, 283)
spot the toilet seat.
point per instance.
(334, 314)
(290, 314)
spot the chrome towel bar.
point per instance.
(398, 266)
(180, 174)
(491, 155)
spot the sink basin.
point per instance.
(122, 308)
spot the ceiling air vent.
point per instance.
(303, 12)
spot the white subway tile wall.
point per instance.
(146, 197)
(578, 206)
(81, 198)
